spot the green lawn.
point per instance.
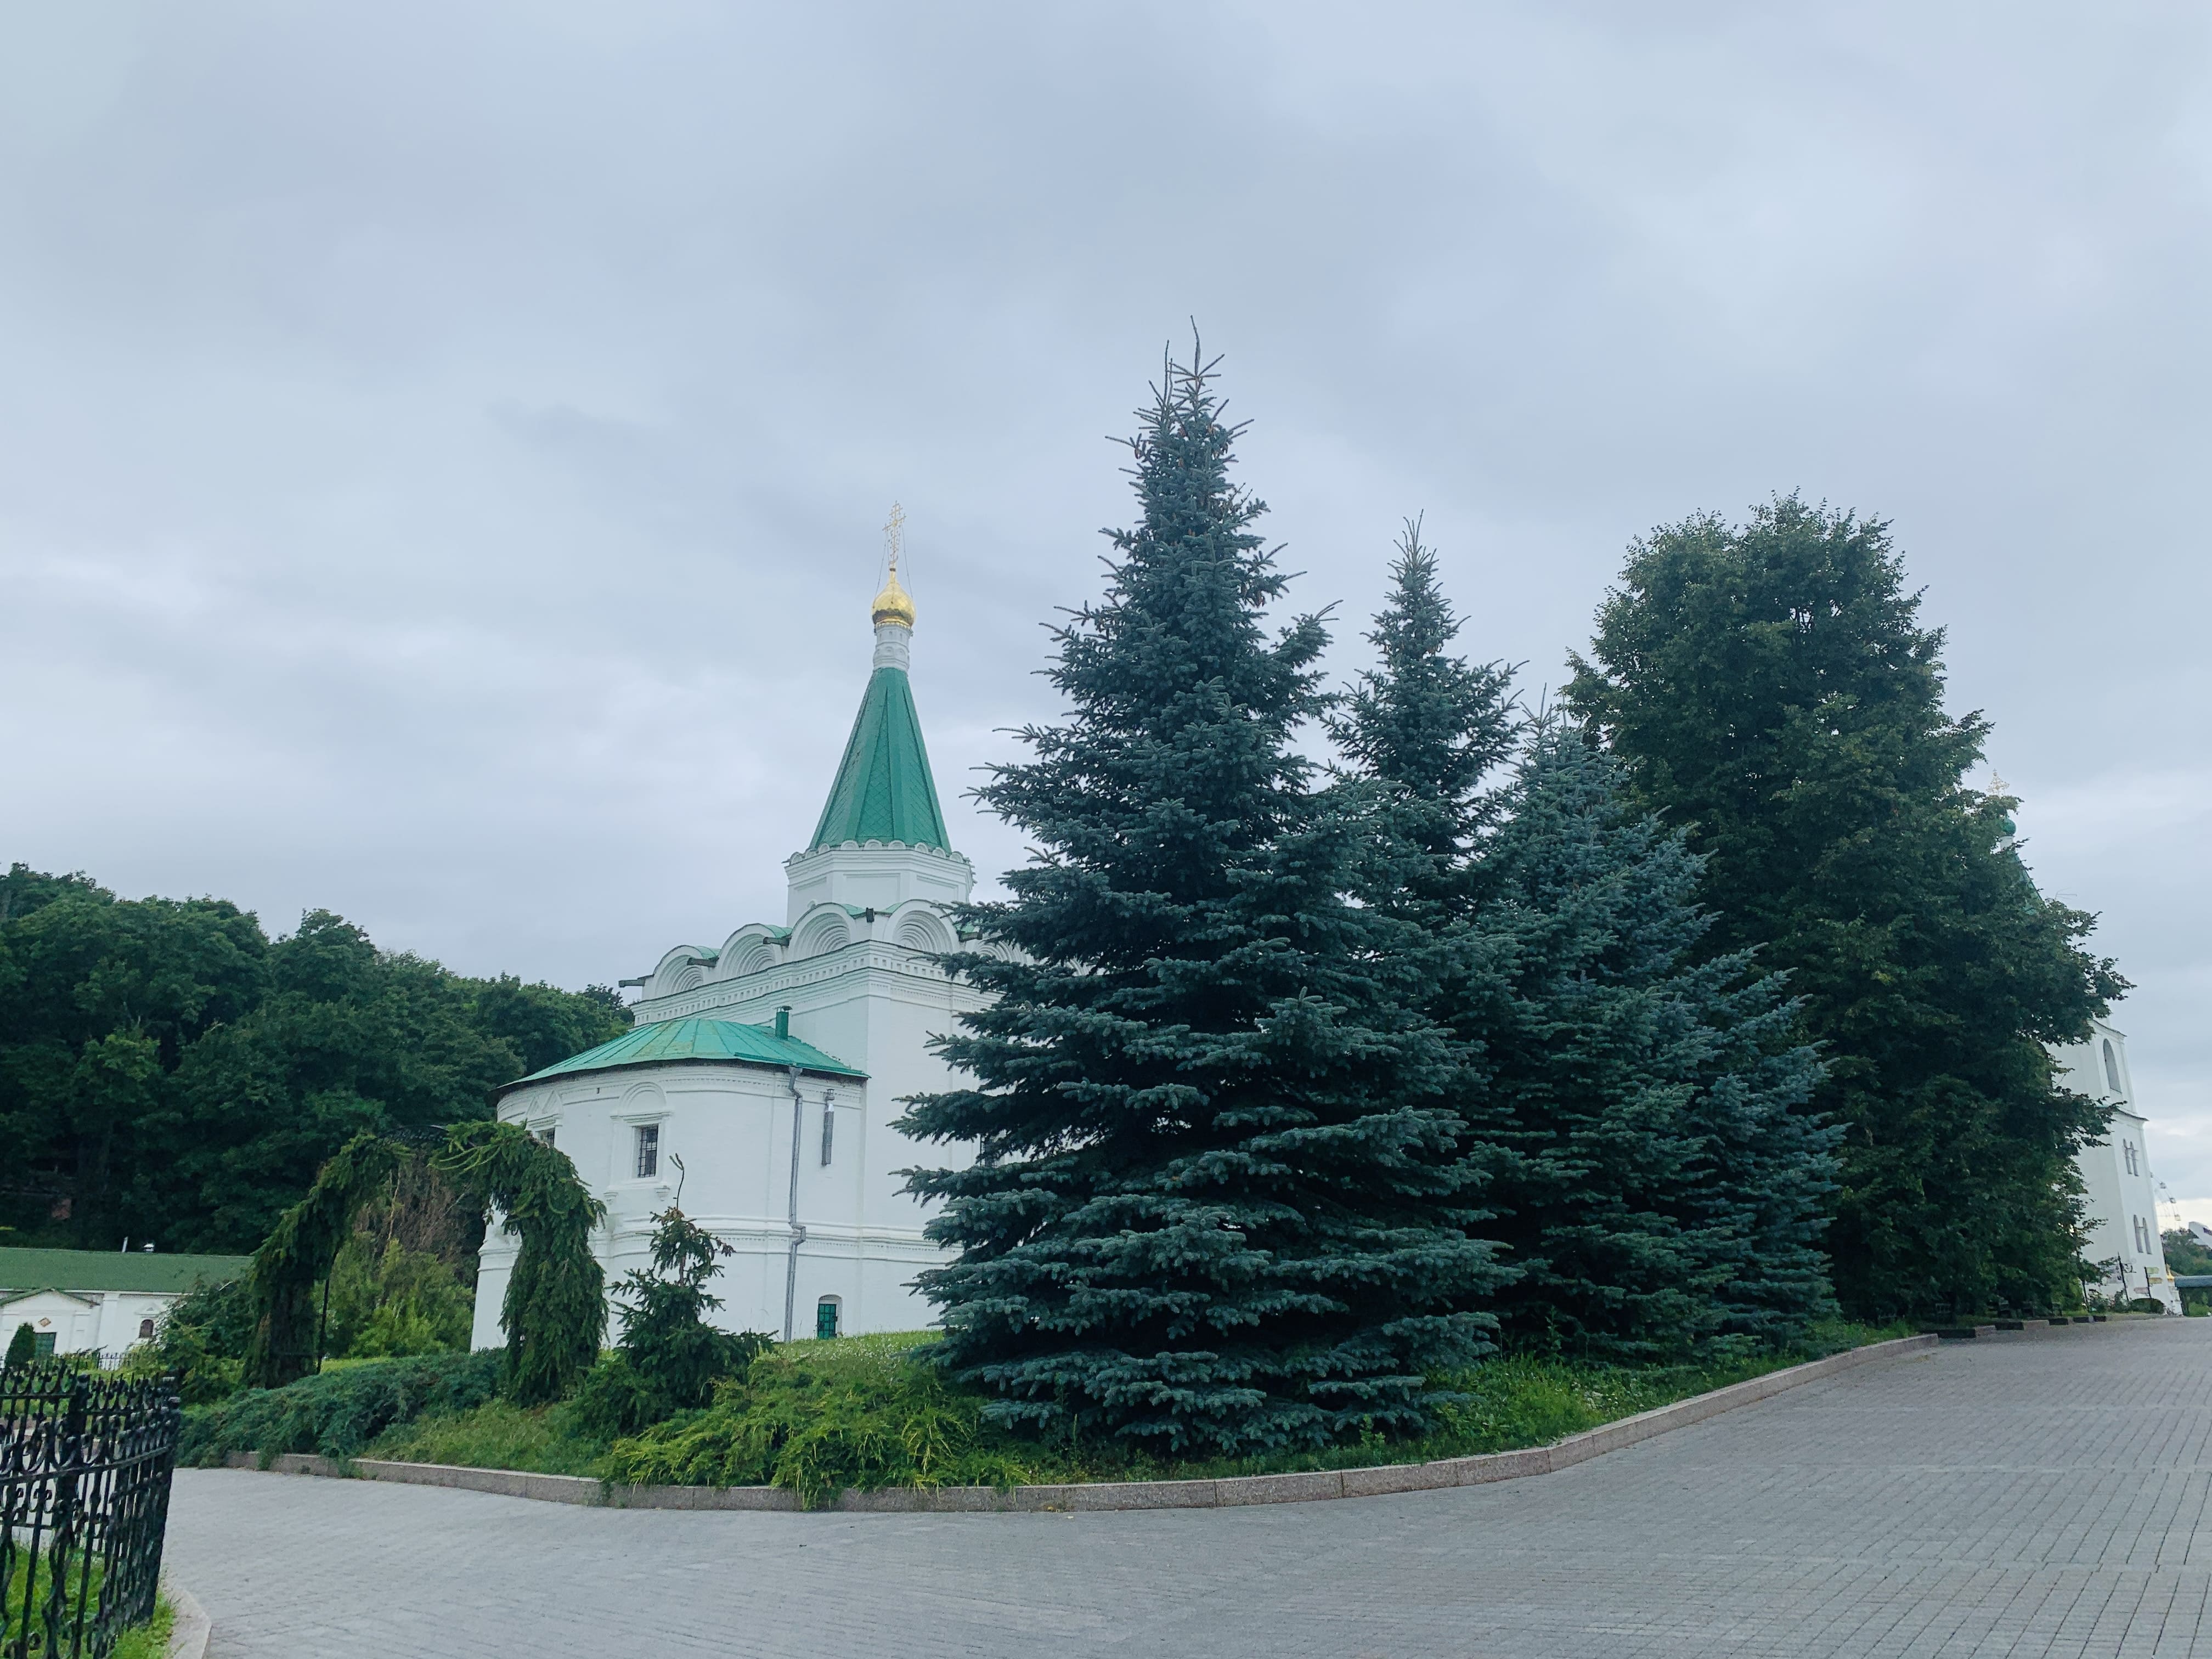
(151, 1640)
(497, 1436)
(148, 1641)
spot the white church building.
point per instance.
(2123, 1194)
(763, 1074)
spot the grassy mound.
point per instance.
(497, 1435)
(869, 1412)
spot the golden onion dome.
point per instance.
(893, 605)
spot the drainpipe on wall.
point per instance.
(797, 1232)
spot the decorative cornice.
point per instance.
(860, 956)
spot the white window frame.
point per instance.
(626, 1175)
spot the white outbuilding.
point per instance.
(764, 1075)
(99, 1300)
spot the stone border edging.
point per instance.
(189, 1630)
(1371, 1481)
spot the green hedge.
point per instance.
(340, 1412)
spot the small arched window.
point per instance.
(2113, 1069)
(145, 1330)
(825, 1318)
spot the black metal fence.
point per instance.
(85, 1464)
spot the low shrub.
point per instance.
(341, 1411)
(203, 1339)
(818, 1417)
(670, 1358)
(615, 1400)
(666, 1336)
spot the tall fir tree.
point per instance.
(1430, 728)
(1214, 1204)
(1664, 1190)
(1774, 696)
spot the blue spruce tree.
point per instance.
(1424, 730)
(1217, 1201)
(1665, 1187)
(1635, 1121)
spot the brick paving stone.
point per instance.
(2045, 1493)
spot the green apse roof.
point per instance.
(668, 1040)
(883, 790)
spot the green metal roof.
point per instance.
(883, 790)
(667, 1040)
(115, 1270)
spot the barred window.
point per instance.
(649, 1151)
(825, 1318)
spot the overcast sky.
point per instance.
(442, 448)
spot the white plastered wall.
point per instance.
(2122, 1189)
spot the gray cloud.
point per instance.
(443, 446)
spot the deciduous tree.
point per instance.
(1775, 695)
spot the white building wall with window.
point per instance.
(721, 1135)
(2122, 1190)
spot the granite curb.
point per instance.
(190, 1628)
(1373, 1481)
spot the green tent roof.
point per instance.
(883, 790)
(667, 1040)
(114, 1270)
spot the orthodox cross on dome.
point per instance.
(1999, 786)
(893, 605)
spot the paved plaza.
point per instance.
(2038, 1494)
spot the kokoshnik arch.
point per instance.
(774, 1066)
